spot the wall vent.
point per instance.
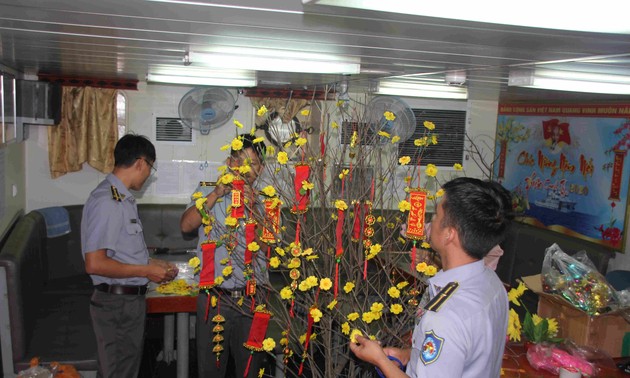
(171, 130)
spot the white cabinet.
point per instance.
(8, 119)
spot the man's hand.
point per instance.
(161, 271)
(404, 355)
(371, 351)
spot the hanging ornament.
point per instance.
(257, 333)
(302, 173)
(416, 220)
(238, 199)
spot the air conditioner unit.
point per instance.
(38, 102)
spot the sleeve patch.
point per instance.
(431, 348)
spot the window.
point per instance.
(450, 128)
(121, 113)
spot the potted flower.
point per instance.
(534, 329)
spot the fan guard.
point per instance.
(206, 108)
(402, 126)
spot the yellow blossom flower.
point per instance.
(377, 307)
(230, 221)
(345, 328)
(353, 335)
(348, 287)
(225, 147)
(307, 185)
(312, 281)
(439, 193)
(552, 327)
(404, 205)
(253, 246)
(307, 251)
(238, 124)
(288, 144)
(303, 286)
(429, 125)
(367, 317)
(227, 270)
(421, 267)
(457, 167)
(219, 280)
(536, 319)
(332, 304)
(305, 112)
(393, 292)
(269, 191)
(389, 116)
(396, 308)
(283, 158)
(395, 139)
(286, 293)
(284, 341)
(222, 169)
(196, 195)
(274, 262)
(434, 139)
(325, 283)
(514, 326)
(316, 314)
(344, 173)
(261, 372)
(244, 169)
(258, 140)
(227, 178)
(268, 344)
(401, 285)
(262, 111)
(341, 205)
(431, 270)
(353, 316)
(419, 142)
(515, 293)
(279, 251)
(384, 134)
(237, 144)
(271, 150)
(431, 170)
(404, 160)
(194, 262)
(300, 141)
(334, 125)
(224, 261)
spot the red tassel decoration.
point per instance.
(336, 290)
(341, 215)
(249, 362)
(413, 256)
(356, 227)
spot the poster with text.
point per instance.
(567, 167)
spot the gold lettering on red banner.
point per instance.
(617, 174)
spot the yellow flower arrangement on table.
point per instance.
(534, 328)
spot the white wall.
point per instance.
(144, 105)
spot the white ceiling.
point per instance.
(120, 38)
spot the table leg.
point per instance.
(182, 344)
(168, 350)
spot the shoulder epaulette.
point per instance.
(115, 195)
(441, 297)
(207, 183)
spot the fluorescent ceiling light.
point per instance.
(571, 81)
(411, 89)
(604, 17)
(195, 76)
(275, 60)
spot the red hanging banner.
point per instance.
(272, 220)
(206, 276)
(302, 173)
(238, 201)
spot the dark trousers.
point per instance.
(118, 322)
(238, 321)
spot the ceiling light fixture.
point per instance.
(571, 81)
(196, 76)
(415, 89)
(276, 61)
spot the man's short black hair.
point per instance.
(132, 147)
(248, 142)
(480, 211)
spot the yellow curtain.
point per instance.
(88, 131)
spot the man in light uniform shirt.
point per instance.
(462, 328)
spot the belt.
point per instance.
(122, 289)
(232, 293)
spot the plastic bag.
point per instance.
(578, 282)
(552, 358)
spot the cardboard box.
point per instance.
(606, 332)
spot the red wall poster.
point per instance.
(566, 166)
